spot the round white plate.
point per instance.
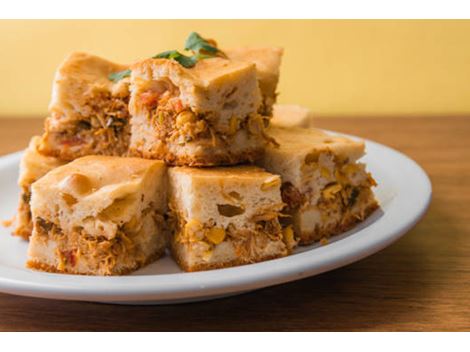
(404, 193)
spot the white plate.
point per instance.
(404, 193)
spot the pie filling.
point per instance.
(248, 243)
(78, 252)
(335, 193)
(177, 124)
(102, 130)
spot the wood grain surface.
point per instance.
(421, 282)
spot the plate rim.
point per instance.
(197, 285)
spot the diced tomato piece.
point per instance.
(177, 105)
(149, 98)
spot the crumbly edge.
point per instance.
(346, 224)
(101, 127)
(36, 265)
(23, 222)
(250, 156)
(68, 154)
(78, 242)
(22, 231)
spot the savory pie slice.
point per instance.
(88, 111)
(98, 215)
(291, 116)
(268, 62)
(223, 217)
(325, 188)
(200, 116)
(33, 166)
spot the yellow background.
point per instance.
(351, 68)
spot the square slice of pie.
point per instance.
(325, 187)
(98, 215)
(222, 217)
(88, 111)
(268, 63)
(33, 166)
(206, 115)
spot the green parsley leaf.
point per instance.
(200, 47)
(170, 54)
(117, 76)
(186, 61)
(197, 43)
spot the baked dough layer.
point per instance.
(99, 215)
(325, 188)
(89, 113)
(222, 217)
(268, 63)
(202, 116)
(33, 166)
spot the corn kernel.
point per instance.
(325, 172)
(183, 118)
(288, 234)
(161, 118)
(330, 191)
(216, 235)
(60, 256)
(191, 227)
(271, 182)
(349, 169)
(340, 177)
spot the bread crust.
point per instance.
(212, 266)
(226, 159)
(35, 265)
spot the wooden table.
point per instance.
(422, 282)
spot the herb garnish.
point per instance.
(117, 76)
(186, 61)
(198, 44)
(201, 49)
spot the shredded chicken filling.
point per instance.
(101, 253)
(176, 123)
(194, 231)
(337, 197)
(104, 128)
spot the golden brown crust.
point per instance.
(235, 262)
(31, 264)
(226, 159)
(346, 224)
